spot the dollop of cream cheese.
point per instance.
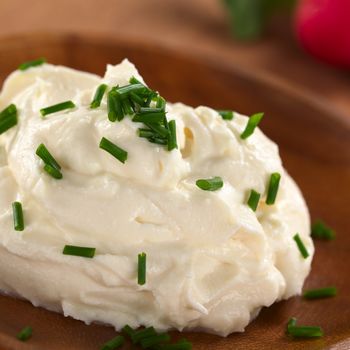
(212, 262)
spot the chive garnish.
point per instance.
(114, 150)
(100, 91)
(114, 106)
(18, 221)
(172, 143)
(305, 331)
(291, 323)
(161, 103)
(34, 63)
(212, 184)
(320, 230)
(57, 108)
(142, 334)
(25, 333)
(253, 200)
(141, 269)
(52, 171)
(86, 252)
(128, 331)
(273, 188)
(253, 122)
(46, 156)
(8, 118)
(320, 293)
(114, 343)
(226, 115)
(158, 140)
(301, 246)
(154, 340)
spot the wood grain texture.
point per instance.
(314, 142)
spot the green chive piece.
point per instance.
(160, 130)
(128, 331)
(253, 122)
(85, 252)
(320, 230)
(180, 345)
(133, 80)
(155, 117)
(43, 153)
(305, 331)
(25, 333)
(212, 184)
(273, 188)
(161, 103)
(52, 171)
(291, 323)
(154, 340)
(142, 334)
(253, 200)
(141, 269)
(158, 140)
(301, 246)
(138, 88)
(114, 106)
(18, 221)
(8, 118)
(172, 143)
(226, 115)
(114, 150)
(136, 98)
(320, 293)
(96, 101)
(114, 343)
(57, 108)
(126, 106)
(34, 63)
(146, 133)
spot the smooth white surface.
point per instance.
(212, 262)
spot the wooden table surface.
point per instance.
(196, 25)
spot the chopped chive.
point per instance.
(52, 171)
(160, 130)
(114, 343)
(133, 80)
(114, 106)
(273, 188)
(172, 143)
(96, 101)
(320, 293)
(161, 103)
(226, 115)
(8, 111)
(46, 156)
(114, 150)
(253, 122)
(146, 110)
(34, 63)
(85, 252)
(158, 140)
(8, 118)
(57, 108)
(301, 246)
(253, 200)
(156, 117)
(305, 331)
(212, 184)
(154, 340)
(128, 331)
(180, 345)
(138, 88)
(126, 106)
(141, 269)
(136, 98)
(25, 333)
(146, 133)
(18, 221)
(142, 334)
(291, 323)
(320, 230)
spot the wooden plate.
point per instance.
(315, 147)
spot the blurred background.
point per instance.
(302, 44)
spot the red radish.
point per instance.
(323, 28)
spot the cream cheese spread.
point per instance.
(212, 262)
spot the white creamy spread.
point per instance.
(212, 262)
